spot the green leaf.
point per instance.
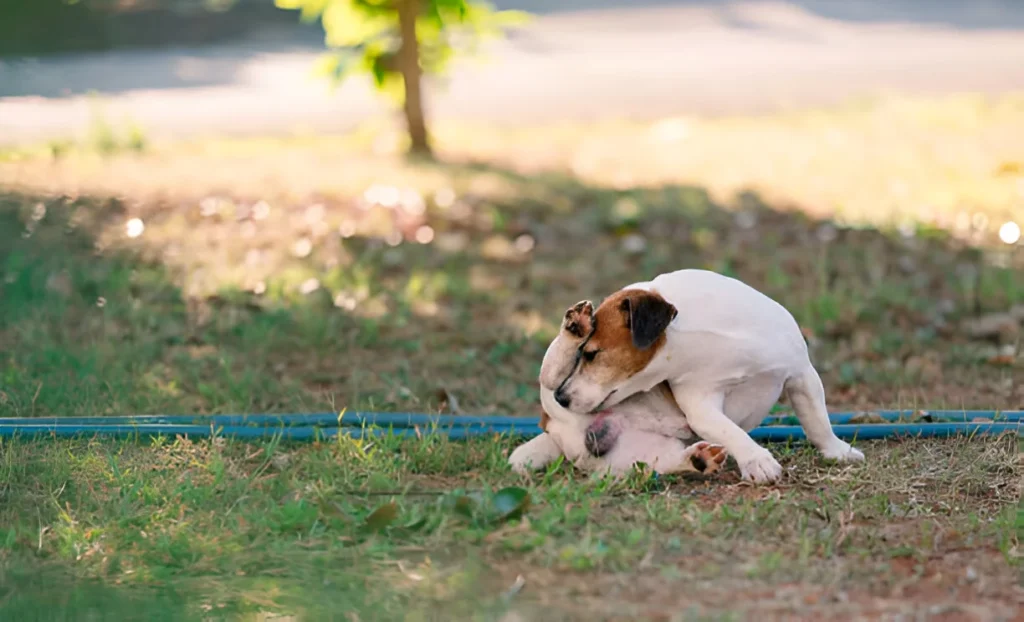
(331, 509)
(382, 516)
(428, 30)
(435, 58)
(327, 65)
(335, 67)
(310, 9)
(393, 87)
(511, 503)
(449, 5)
(451, 11)
(347, 24)
(379, 68)
(380, 63)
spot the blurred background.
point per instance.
(232, 205)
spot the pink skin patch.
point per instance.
(601, 434)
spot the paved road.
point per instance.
(585, 59)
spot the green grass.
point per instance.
(265, 281)
(410, 530)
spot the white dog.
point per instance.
(609, 443)
(727, 352)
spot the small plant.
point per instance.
(58, 148)
(104, 138)
(136, 139)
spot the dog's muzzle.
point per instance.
(562, 399)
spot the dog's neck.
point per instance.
(651, 376)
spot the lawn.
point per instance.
(318, 274)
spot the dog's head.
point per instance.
(561, 355)
(626, 331)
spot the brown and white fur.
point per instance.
(609, 443)
(726, 351)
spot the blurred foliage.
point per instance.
(26, 26)
(366, 37)
(39, 27)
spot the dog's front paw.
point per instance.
(761, 468)
(843, 452)
(526, 459)
(707, 458)
(519, 463)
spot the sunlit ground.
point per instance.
(952, 163)
(317, 273)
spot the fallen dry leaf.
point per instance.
(447, 401)
(866, 417)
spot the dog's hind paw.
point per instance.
(707, 457)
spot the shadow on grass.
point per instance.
(53, 595)
(370, 301)
(234, 312)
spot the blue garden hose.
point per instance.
(362, 419)
(360, 425)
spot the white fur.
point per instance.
(730, 353)
(651, 428)
(663, 452)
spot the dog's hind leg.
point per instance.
(704, 414)
(702, 457)
(808, 398)
(663, 454)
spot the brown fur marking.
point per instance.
(618, 358)
(544, 419)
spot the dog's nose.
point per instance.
(562, 399)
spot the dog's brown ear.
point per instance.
(579, 319)
(647, 316)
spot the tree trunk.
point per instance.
(412, 74)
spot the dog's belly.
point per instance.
(654, 411)
(749, 403)
(654, 450)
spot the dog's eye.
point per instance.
(590, 355)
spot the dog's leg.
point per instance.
(663, 454)
(535, 454)
(808, 398)
(704, 414)
(700, 457)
